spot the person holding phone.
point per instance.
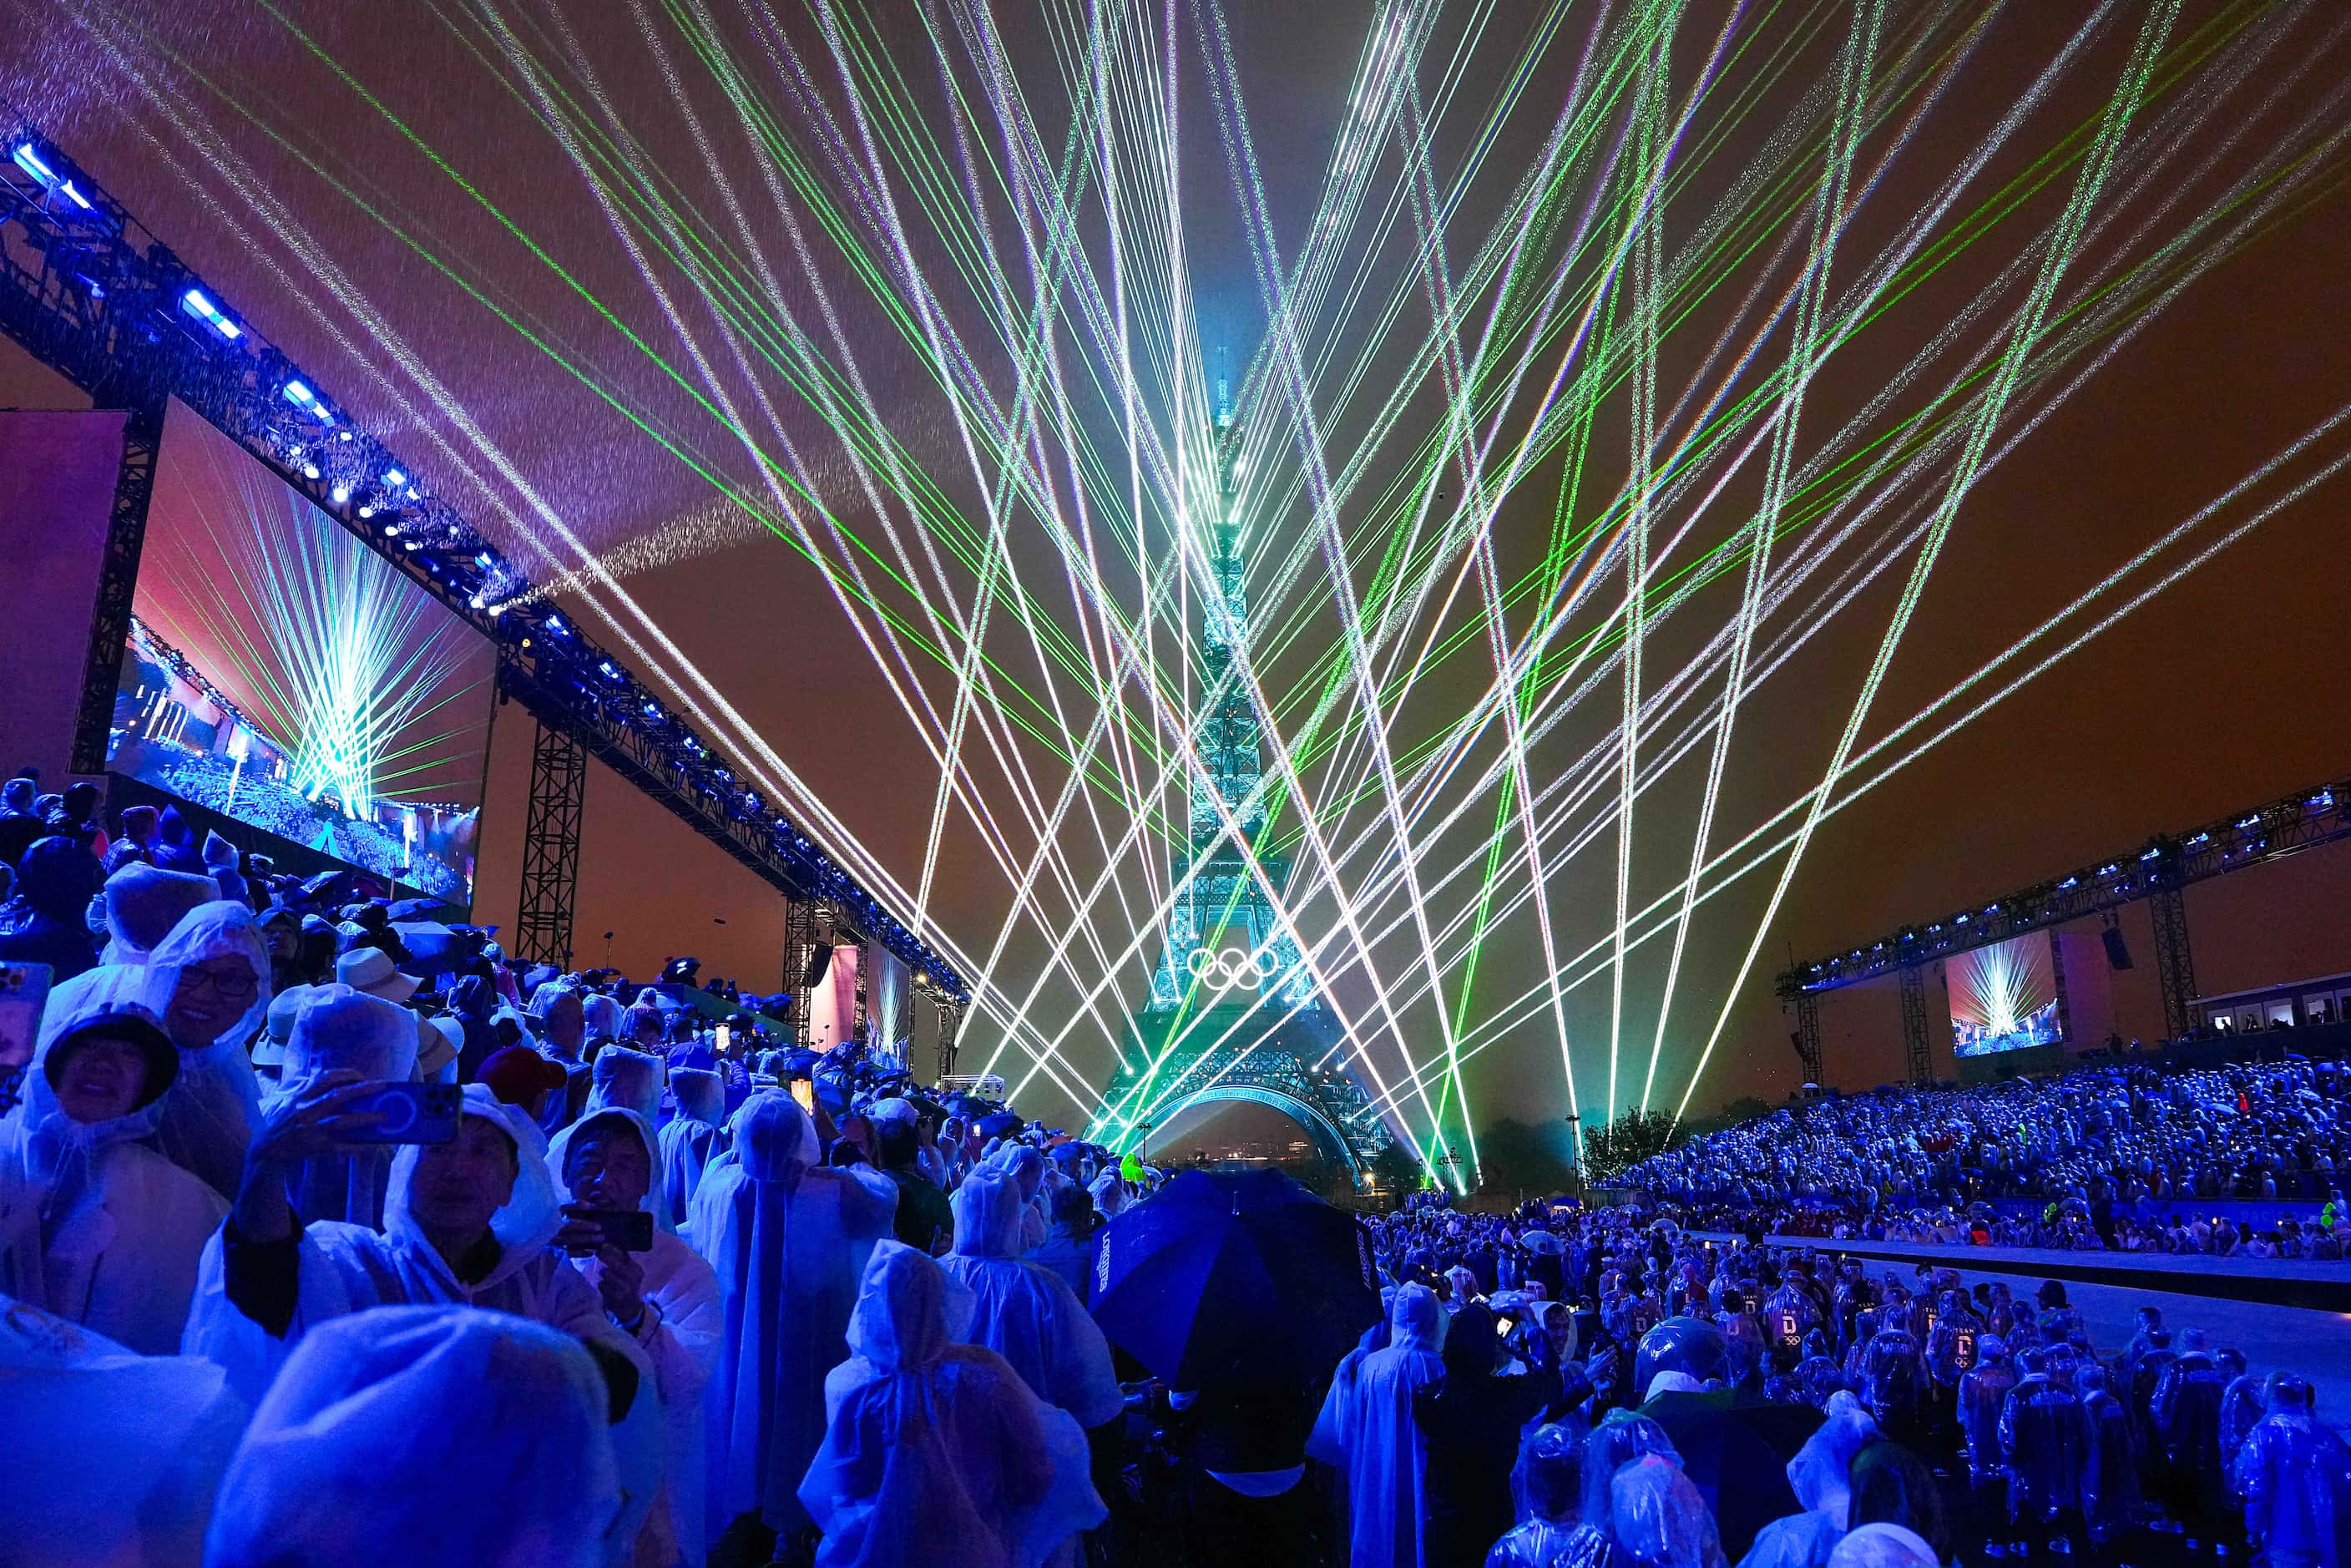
(338, 1029)
(663, 1296)
(94, 1225)
(467, 1221)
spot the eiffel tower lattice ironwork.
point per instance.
(1234, 1012)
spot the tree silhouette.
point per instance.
(1611, 1150)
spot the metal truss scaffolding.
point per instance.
(1918, 1053)
(2175, 969)
(550, 848)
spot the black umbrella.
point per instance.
(1236, 1277)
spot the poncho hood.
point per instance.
(701, 1095)
(143, 903)
(631, 1080)
(388, 1426)
(909, 1310)
(987, 1215)
(338, 1029)
(774, 1138)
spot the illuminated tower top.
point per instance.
(1221, 933)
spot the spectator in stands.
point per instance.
(923, 1220)
(209, 982)
(44, 920)
(1027, 1315)
(1069, 1246)
(2293, 1474)
(934, 1451)
(1366, 1431)
(665, 1298)
(427, 1435)
(467, 1221)
(1469, 1419)
(143, 905)
(95, 1225)
(789, 1241)
(20, 824)
(1551, 1531)
(337, 1030)
(690, 1138)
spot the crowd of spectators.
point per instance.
(329, 1235)
(2122, 1157)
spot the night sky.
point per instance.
(2227, 688)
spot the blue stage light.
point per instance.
(30, 161)
(394, 477)
(197, 305)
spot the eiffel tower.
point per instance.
(1229, 979)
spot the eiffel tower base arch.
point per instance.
(1249, 1054)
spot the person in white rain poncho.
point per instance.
(628, 1079)
(465, 1222)
(1658, 1517)
(94, 1225)
(423, 1435)
(1026, 1167)
(1367, 1430)
(1111, 1195)
(209, 982)
(1027, 1315)
(1819, 1475)
(690, 1138)
(338, 1029)
(143, 903)
(934, 1451)
(113, 1457)
(789, 1239)
(665, 1299)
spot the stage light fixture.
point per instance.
(340, 494)
(394, 477)
(197, 305)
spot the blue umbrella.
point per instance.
(1236, 1277)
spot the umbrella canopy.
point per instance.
(1003, 1124)
(1225, 1277)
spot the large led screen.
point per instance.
(2004, 998)
(282, 674)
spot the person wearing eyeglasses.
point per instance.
(209, 982)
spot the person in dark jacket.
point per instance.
(1470, 1419)
(45, 919)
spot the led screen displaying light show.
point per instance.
(279, 673)
(2004, 998)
